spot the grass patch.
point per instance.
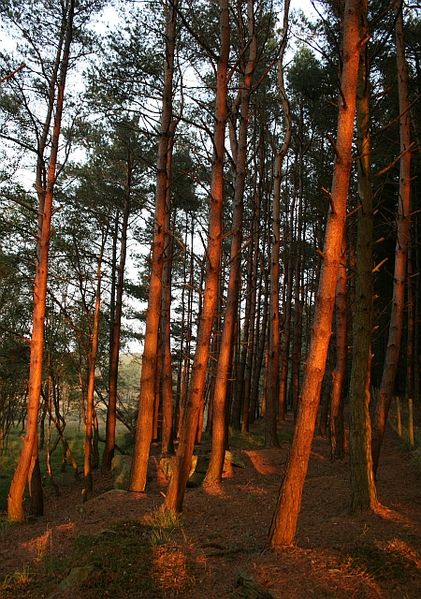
(255, 440)
(4, 528)
(391, 560)
(63, 474)
(16, 582)
(163, 525)
(238, 440)
(131, 559)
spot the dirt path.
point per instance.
(224, 533)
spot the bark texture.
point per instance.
(284, 523)
(177, 486)
(144, 429)
(363, 491)
(219, 400)
(45, 193)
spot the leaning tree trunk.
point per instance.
(403, 231)
(144, 429)
(17, 487)
(284, 522)
(177, 486)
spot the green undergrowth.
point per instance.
(63, 475)
(255, 440)
(130, 559)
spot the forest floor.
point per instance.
(119, 544)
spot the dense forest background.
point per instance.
(166, 190)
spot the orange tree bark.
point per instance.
(144, 429)
(284, 522)
(177, 486)
(219, 399)
(363, 491)
(15, 498)
(403, 231)
(272, 395)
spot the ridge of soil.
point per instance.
(224, 533)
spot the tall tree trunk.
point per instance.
(90, 410)
(186, 331)
(403, 231)
(272, 395)
(363, 491)
(244, 350)
(256, 290)
(286, 328)
(144, 427)
(296, 357)
(110, 426)
(219, 405)
(167, 446)
(177, 486)
(261, 336)
(17, 487)
(284, 523)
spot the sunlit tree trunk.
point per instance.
(17, 487)
(219, 400)
(177, 486)
(284, 522)
(144, 427)
(403, 231)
